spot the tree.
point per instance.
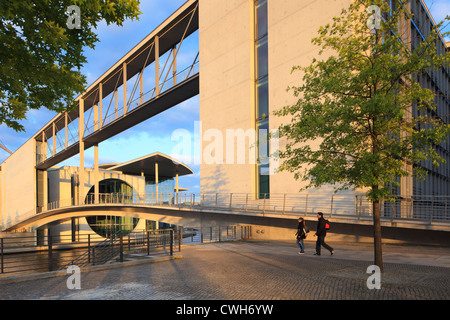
(41, 51)
(358, 104)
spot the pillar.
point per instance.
(176, 186)
(156, 66)
(66, 127)
(81, 177)
(156, 182)
(54, 138)
(124, 73)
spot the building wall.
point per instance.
(226, 99)
(292, 25)
(60, 182)
(437, 181)
(18, 181)
(227, 82)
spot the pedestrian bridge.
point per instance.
(413, 218)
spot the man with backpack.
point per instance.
(322, 227)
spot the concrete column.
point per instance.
(54, 138)
(96, 175)
(66, 127)
(44, 175)
(176, 186)
(156, 182)
(100, 105)
(156, 66)
(81, 173)
(124, 73)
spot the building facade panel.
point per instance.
(18, 197)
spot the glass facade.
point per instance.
(106, 226)
(262, 95)
(120, 192)
(165, 189)
(115, 189)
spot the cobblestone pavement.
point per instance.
(257, 271)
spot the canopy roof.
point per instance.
(167, 166)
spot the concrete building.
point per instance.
(247, 49)
(152, 179)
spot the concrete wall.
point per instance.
(226, 89)
(292, 25)
(60, 186)
(227, 83)
(18, 181)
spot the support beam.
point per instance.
(156, 182)
(177, 189)
(66, 129)
(100, 105)
(54, 138)
(156, 65)
(81, 177)
(124, 74)
(96, 176)
(44, 175)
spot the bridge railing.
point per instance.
(420, 208)
(116, 113)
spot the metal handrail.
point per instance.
(422, 209)
(90, 257)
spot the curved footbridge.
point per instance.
(267, 223)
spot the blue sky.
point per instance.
(154, 134)
(150, 136)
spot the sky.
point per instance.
(155, 134)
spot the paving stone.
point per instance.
(255, 271)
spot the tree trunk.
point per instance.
(378, 250)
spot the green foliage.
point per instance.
(358, 101)
(40, 57)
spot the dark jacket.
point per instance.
(321, 231)
(301, 230)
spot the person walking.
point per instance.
(302, 230)
(321, 234)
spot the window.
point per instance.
(262, 95)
